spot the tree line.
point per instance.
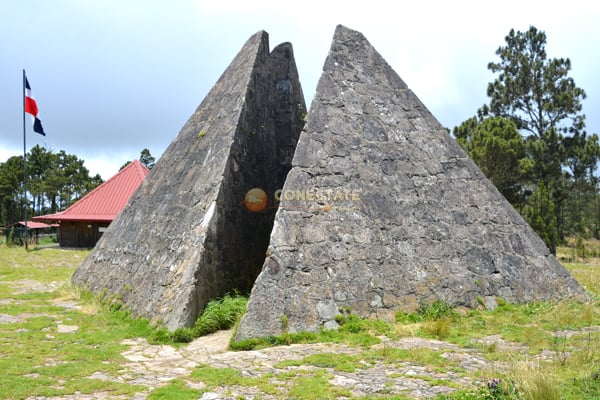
(531, 142)
(54, 181)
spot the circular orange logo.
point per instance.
(255, 200)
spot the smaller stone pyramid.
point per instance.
(382, 211)
(185, 236)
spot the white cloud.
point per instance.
(105, 166)
(5, 154)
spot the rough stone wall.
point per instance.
(185, 236)
(382, 210)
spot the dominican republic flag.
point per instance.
(32, 108)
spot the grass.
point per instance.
(219, 376)
(218, 314)
(177, 389)
(353, 331)
(583, 268)
(315, 386)
(38, 360)
(587, 275)
(336, 361)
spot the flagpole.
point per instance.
(24, 162)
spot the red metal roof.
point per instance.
(33, 224)
(104, 202)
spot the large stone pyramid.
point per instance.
(382, 211)
(184, 238)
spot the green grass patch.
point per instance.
(532, 324)
(419, 355)
(270, 341)
(336, 361)
(353, 331)
(37, 359)
(218, 314)
(175, 390)
(588, 276)
(43, 265)
(220, 376)
(315, 386)
(436, 310)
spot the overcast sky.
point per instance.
(112, 77)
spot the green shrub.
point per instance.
(183, 335)
(350, 323)
(218, 314)
(221, 314)
(439, 309)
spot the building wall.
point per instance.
(80, 233)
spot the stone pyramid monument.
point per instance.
(184, 238)
(382, 211)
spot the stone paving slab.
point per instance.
(155, 365)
